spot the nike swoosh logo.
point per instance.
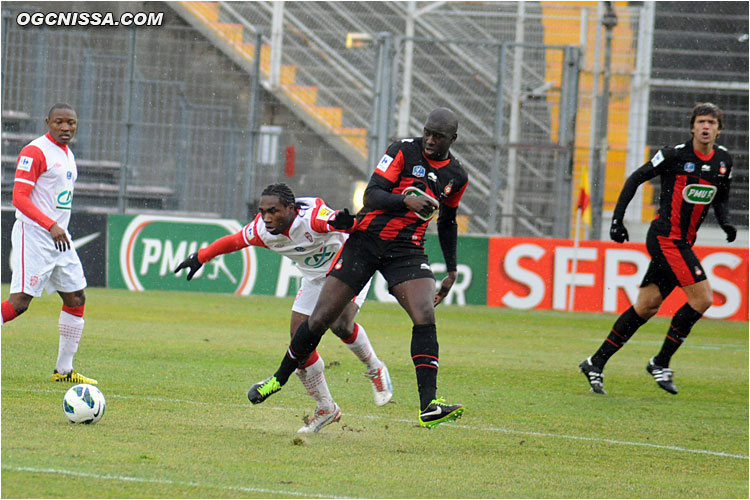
(437, 411)
(86, 239)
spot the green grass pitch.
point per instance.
(175, 368)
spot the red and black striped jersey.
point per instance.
(690, 183)
(404, 165)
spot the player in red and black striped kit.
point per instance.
(413, 179)
(694, 175)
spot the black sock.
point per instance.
(424, 355)
(623, 329)
(682, 322)
(302, 345)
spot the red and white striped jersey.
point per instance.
(51, 169)
(310, 242)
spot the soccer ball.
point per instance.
(84, 404)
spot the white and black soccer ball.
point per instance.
(84, 404)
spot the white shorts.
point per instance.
(309, 291)
(37, 264)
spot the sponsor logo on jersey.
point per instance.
(658, 158)
(323, 257)
(689, 167)
(299, 249)
(24, 163)
(699, 194)
(417, 171)
(705, 168)
(432, 177)
(384, 163)
(249, 232)
(425, 266)
(68, 175)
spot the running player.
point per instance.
(311, 234)
(43, 255)
(694, 175)
(413, 178)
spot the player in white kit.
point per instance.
(43, 253)
(311, 234)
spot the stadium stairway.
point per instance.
(562, 29)
(328, 121)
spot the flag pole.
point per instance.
(571, 295)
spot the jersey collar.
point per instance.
(64, 147)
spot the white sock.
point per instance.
(71, 328)
(314, 381)
(362, 348)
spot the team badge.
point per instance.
(689, 167)
(448, 188)
(309, 237)
(68, 174)
(339, 264)
(417, 171)
(24, 163)
(698, 271)
(722, 169)
(34, 280)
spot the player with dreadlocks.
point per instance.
(310, 233)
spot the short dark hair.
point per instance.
(60, 105)
(283, 193)
(707, 108)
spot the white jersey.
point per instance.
(310, 242)
(51, 169)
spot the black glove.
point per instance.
(731, 232)
(618, 232)
(343, 220)
(192, 263)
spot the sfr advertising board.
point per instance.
(536, 273)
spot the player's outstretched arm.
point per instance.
(225, 244)
(191, 263)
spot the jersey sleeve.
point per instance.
(455, 197)
(391, 164)
(31, 164)
(251, 235)
(320, 217)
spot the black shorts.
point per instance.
(673, 264)
(364, 253)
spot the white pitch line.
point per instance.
(452, 424)
(707, 347)
(170, 482)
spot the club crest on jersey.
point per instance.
(417, 171)
(339, 264)
(384, 163)
(689, 167)
(68, 174)
(698, 271)
(309, 237)
(448, 188)
(722, 168)
(24, 163)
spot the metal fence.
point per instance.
(165, 112)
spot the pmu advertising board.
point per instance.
(145, 249)
(519, 273)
